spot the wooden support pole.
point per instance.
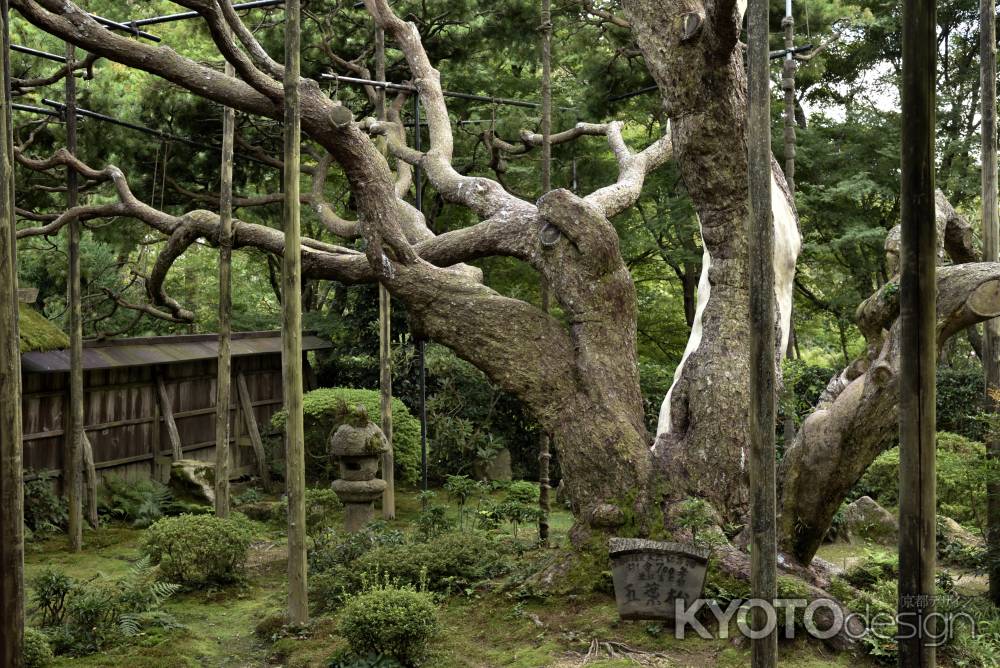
(763, 555)
(385, 328)
(11, 494)
(246, 410)
(991, 253)
(168, 418)
(90, 477)
(917, 337)
(291, 330)
(544, 454)
(73, 461)
(224, 365)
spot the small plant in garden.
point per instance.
(460, 489)
(195, 550)
(86, 616)
(432, 521)
(141, 502)
(519, 513)
(694, 514)
(390, 619)
(44, 510)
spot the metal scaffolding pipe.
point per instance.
(183, 16)
(388, 85)
(38, 54)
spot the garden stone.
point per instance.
(194, 479)
(866, 519)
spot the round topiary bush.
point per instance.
(37, 653)
(389, 620)
(321, 409)
(195, 550)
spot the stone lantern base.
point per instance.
(359, 498)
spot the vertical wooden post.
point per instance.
(991, 251)
(11, 498)
(418, 201)
(90, 476)
(73, 462)
(291, 330)
(763, 555)
(917, 336)
(385, 329)
(544, 455)
(224, 375)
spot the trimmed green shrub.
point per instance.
(321, 504)
(961, 479)
(37, 653)
(452, 561)
(195, 550)
(320, 410)
(392, 620)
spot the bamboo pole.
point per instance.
(917, 297)
(224, 367)
(291, 330)
(763, 556)
(11, 496)
(72, 469)
(991, 246)
(544, 455)
(385, 329)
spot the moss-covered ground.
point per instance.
(483, 629)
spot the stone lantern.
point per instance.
(358, 445)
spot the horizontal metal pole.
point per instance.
(131, 126)
(37, 53)
(115, 25)
(388, 85)
(183, 16)
(17, 106)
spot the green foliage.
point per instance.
(432, 521)
(321, 503)
(196, 550)
(873, 568)
(694, 514)
(44, 511)
(522, 491)
(960, 400)
(37, 653)
(962, 470)
(347, 659)
(87, 616)
(140, 502)
(390, 619)
(804, 383)
(320, 411)
(461, 488)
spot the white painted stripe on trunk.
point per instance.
(704, 292)
(787, 243)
